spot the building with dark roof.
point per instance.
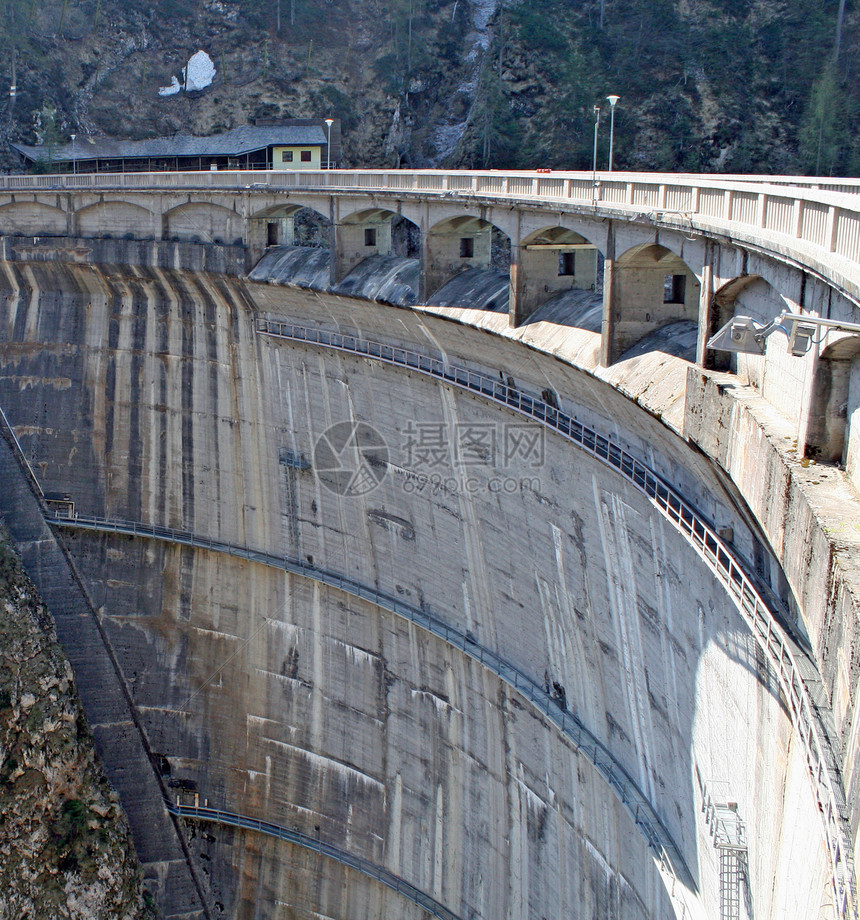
(298, 144)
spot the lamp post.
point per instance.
(74, 160)
(329, 122)
(594, 158)
(612, 100)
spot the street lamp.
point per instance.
(329, 122)
(594, 158)
(74, 161)
(612, 100)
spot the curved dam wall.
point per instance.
(150, 396)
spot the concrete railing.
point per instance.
(401, 886)
(584, 741)
(793, 218)
(792, 667)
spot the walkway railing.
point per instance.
(787, 216)
(401, 886)
(602, 759)
(787, 661)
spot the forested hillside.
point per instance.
(705, 85)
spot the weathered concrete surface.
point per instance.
(104, 251)
(301, 266)
(477, 288)
(148, 395)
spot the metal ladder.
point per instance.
(729, 836)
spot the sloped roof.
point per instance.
(237, 142)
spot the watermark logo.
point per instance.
(351, 458)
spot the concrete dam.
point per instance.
(409, 611)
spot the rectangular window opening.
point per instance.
(370, 236)
(306, 156)
(674, 288)
(567, 263)
(467, 247)
(272, 234)
(286, 156)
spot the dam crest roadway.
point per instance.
(624, 687)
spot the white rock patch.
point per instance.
(170, 90)
(200, 71)
(197, 74)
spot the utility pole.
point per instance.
(329, 122)
(13, 86)
(594, 158)
(612, 100)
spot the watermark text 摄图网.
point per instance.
(352, 458)
(429, 445)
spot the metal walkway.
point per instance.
(587, 744)
(401, 886)
(793, 668)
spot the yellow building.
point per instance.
(301, 157)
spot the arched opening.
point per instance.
(405, 238)
(377, 256)
(290, 244)
(776, 374)
(550, 264)
(288, 225)
(651, 287)
(747, 295)
(467, 263)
